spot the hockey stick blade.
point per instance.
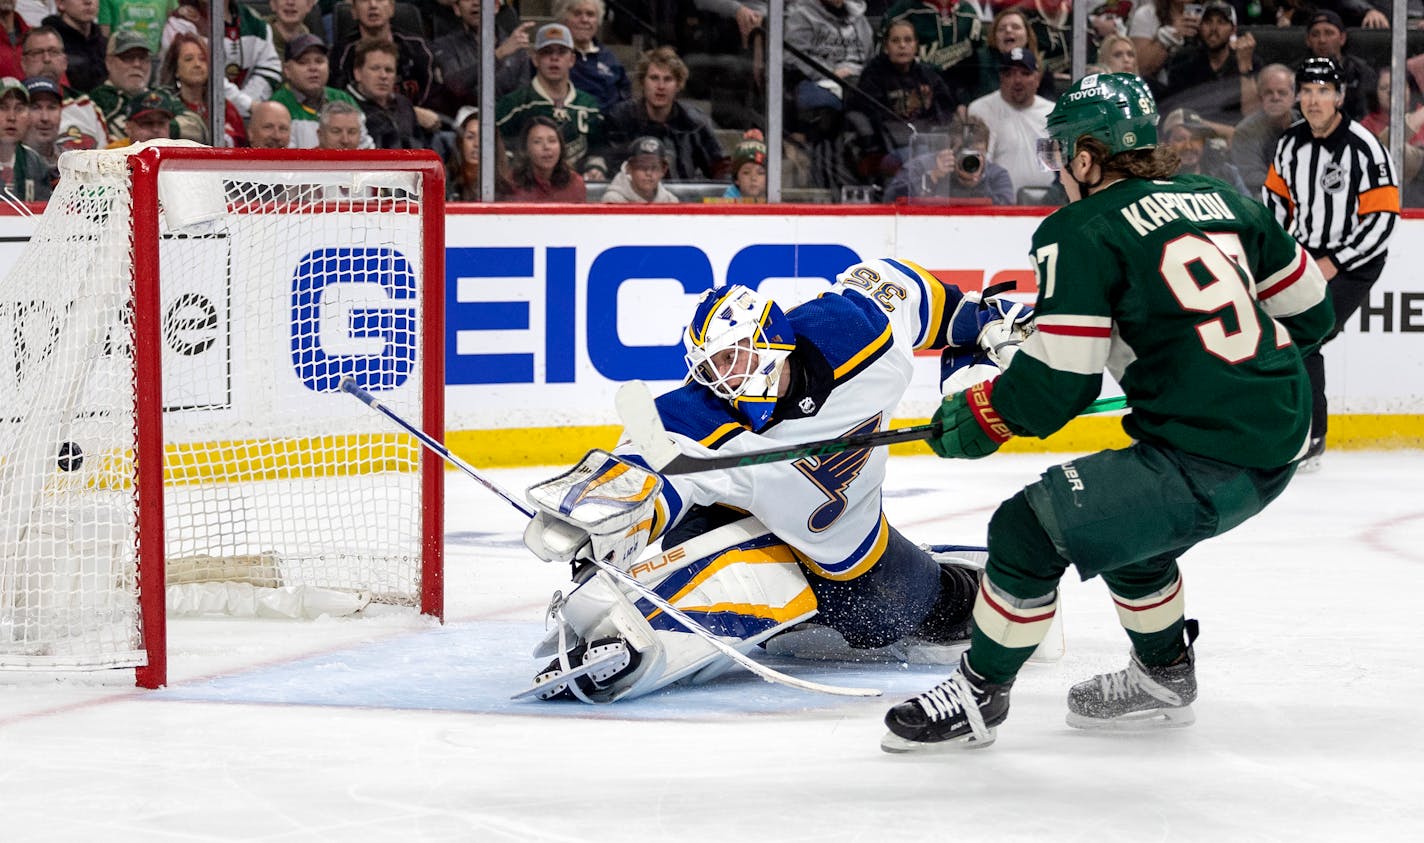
(570, 675)
(687, 464)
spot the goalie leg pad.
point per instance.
(739, 581)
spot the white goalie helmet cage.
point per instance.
(737, 344)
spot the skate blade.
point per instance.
(1140, 721)
(896, 745)
(574, 673)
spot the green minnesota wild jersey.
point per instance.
(1194, 299)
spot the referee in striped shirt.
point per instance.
(1334, 188)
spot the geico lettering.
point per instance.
(353, 312)
(494, 297)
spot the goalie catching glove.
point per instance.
(604, 508)
(970, 427)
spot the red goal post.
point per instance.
(203, 305)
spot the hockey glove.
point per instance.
(996, 326)
(970, 427)
(961, 368)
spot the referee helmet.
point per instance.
(1319, 69)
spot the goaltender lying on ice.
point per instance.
(795, 555)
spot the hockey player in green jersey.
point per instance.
(1201, 307)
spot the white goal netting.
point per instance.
(273, 285)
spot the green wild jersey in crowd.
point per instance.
(1194, 299)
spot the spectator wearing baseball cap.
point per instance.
(46, 107)
(22, 170)
(640, 180)
(1017, 117)
(1198, 147)
(306, 71)
(1325, 37)
(84, 42)
(143, 17)
(149, 116)
(551, 94)
(1215, 75)
(130, 71)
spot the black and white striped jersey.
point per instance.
(1337, 195)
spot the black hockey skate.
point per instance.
(1139, 696)
(592, 670)
(959, 713)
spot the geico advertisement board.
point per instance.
(547, 313)
(256, 322)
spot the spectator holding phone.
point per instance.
(1159, 29)
(1216, 76)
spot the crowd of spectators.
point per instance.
(657, 101)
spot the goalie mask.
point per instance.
(737, 345)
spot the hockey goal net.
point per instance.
(171, 343)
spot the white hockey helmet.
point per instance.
(737, 344)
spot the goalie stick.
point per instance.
(348, 384)
(644, 427)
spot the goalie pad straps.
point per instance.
(989, 420)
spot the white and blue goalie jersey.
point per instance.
(851, 367)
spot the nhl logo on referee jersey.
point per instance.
(1332, 178)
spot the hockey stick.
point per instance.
(348, 384)
(644, 427)
(767, 673)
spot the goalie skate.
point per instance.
(600, 662)
(1138, 697)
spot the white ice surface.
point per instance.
(390, 728)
